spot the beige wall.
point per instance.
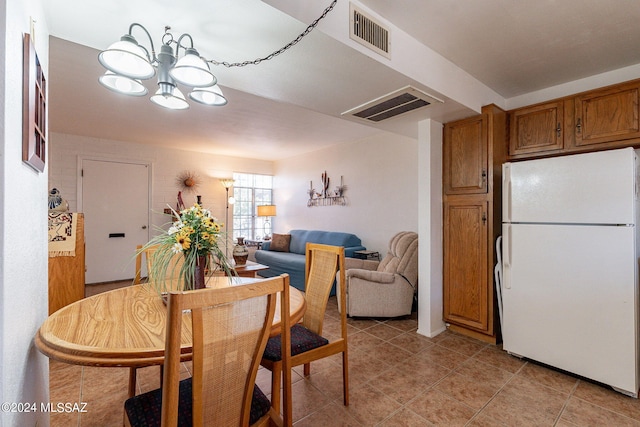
(23, 252)
(67, 151)
(381, 175)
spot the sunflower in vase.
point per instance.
(181, 255)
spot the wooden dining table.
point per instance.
(126, 327)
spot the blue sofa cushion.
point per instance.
(281, 261)
(293, 262)
(299, 239)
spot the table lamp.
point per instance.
(268, 211)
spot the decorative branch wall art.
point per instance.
(327, 197)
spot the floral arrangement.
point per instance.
(195, 235)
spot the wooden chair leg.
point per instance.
(276, 383)
(307, 369)
(345, 379)
(132, 381)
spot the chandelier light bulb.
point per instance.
(211, 95)
(173, 100)
(122, 84)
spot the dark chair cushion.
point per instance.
(144, 410)
(302, 340)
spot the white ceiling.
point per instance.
(292, 104)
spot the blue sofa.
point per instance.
(293, 262)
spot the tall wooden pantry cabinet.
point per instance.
(473, 152)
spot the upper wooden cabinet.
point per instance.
(607, 115)
(595, 120)
(465, 157)
(537, 129)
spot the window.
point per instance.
(251, 191)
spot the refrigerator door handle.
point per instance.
(506, 257)
(506, 192)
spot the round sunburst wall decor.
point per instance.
(188, 181)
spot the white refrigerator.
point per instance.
(570, 264)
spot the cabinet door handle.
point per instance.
(484, 176)
(579, 125)
(558, 131)
(484, 218)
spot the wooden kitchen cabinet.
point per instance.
(66, 274)
(595, 120)
(537, 129)
(466, 243)
(607, 115)
(473, 152)
(465, 157)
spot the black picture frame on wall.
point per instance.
(34, 114)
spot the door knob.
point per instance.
(144, 227)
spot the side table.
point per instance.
(375, 255)
(254, 243)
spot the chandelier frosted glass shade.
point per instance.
(122, 84)
(211, 95)
(172, 99)
(192, 70)
(128, 58)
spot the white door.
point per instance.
(115, 202)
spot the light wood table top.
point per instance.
(126, 327)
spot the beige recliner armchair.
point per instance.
(384, 288)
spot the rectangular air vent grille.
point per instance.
(369, 33)
(393, 104)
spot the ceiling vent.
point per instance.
(393, 104)
(366, 31)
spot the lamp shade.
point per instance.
(128, 58)
(227, 182)
(173, 99)
(122, 84)
(211, 95)
(191, 70)
(267, 210)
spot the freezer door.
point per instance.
(591, 188)
(570, 299)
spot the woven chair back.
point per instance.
(230, 328)
(322, 264)
(173, 262)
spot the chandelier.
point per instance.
(128, 63)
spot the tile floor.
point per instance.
(398, 378)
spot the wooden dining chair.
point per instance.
(323, 262)
(172, 282)
(230, 328)
(174, 264)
